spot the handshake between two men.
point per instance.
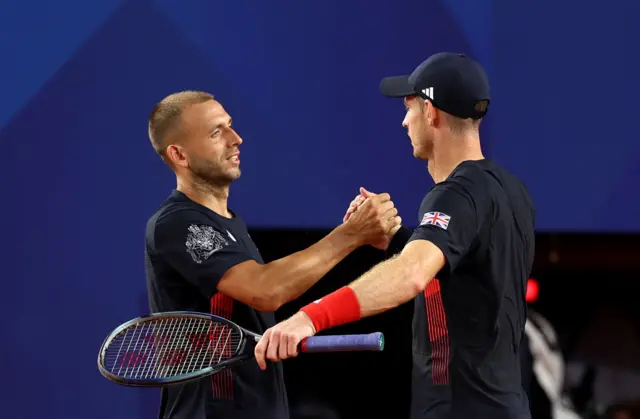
(373, 220)
(373, 217)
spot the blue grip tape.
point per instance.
(342, 343)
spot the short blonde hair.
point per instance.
(165, 116)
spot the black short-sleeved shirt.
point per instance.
(188, 250)
(469, 322)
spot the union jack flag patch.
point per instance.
(435, 218)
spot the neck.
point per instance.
(448, 154)
(211, 196)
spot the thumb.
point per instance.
(366, 193)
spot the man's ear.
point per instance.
(176, 155)
(431, 113)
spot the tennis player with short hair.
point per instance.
(475, 235)
(199, 256)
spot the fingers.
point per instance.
(281, 341)
(395, 229)
(390, 218)
(275, 345)
(261, 348)
(376, 210)
(377, 199)
(292, 348)
(353, 206)
(384, 210)
(288, 346)
(272, 349)
(267, 347)
(388, 207)
(392, 225)
(357, 201)
(390, 213)
(380, 198)
(380, 210)
(283, 346)
(365, 193)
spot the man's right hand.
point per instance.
(373, 219)
(359, 199)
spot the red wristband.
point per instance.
(337, 308)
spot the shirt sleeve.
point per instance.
(197, 249)
(450, 218)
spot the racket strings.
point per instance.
(167, 347)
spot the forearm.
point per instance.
(388, 285)
(289, 277)
(384, 287)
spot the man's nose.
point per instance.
(404, 122)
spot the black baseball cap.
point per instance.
(452, 82)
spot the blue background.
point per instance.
(78, 80)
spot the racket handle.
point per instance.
(342, 343)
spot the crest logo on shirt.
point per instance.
(439, 219)
(203, 241)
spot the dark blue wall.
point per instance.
(78, 80)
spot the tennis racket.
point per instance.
(168, 348)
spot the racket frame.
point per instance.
(238, 357)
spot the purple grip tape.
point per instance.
(341, 343)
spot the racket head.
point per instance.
(168, 348)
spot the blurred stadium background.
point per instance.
(79, 78)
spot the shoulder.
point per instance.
(176, 214)
(467, 190)
(483, 179)
(506, 189)
(471, 177)
(468, 182)
(183, 222)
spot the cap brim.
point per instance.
(396, 86)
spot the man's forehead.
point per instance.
(210, 111)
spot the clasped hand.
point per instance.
(373, 218)
(380, 211)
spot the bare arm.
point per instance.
(386, 286)
(267, 287)
(449, 225)
(399, 279)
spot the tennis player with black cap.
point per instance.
(466, 264)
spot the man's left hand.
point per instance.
(281, 341)
(364, 194)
